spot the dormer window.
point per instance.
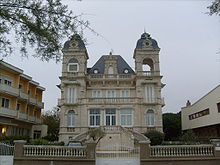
(126, 71)
(73, 65)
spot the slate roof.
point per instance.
(121, 66)
(144, 37)
(77, 38)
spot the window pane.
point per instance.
(150, 118)
(113, 120)
(107, 120)
(72, 67)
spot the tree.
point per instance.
(214, 8)
(172, 126)
(156, 137)
(51, 118)
(39, 24)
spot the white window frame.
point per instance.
(4, 104)
(126, 117)
(77, 67)
(96, 93)
(71, 95)
(149, 94)
(150, 122)
(94, 117)
(72, 119)
(111, 117)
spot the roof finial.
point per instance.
(110, 53)
(144, 30)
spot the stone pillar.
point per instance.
(19, 148)
(144, 149)
(90, 149)
(216, 144)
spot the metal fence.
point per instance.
(6, 149)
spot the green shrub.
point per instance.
(155, 137)
(189, 137)
(10, 139)
(39, 142)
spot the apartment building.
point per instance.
(110, 93)
(203, 117)
(20, 103)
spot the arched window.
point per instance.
(150, 118)
(110, 70)
(73, 65)
(71, 118)
(147, 66)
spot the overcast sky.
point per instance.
(189, 40)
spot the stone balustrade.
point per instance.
(57, 151)
(182, 151)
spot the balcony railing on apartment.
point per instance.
(9, 89)
(8, 112)
(40, 104)
(148, 73)
(154, 100)
(23, 95)
(110, 76)
(33, 100)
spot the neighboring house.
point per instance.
(110, 93)
(20, 103)
(203, 117)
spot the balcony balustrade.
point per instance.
(148, 73)
(23, 95)
(9, 90)
(22, 116)
(40, 104)
(112, 100)
(154, 100)
(110, 76)
(8, 112)
(33, 101)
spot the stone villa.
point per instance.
(110, 93)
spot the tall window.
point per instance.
(97, 93)
(94, 117)
(218, 106)
(71, 95)
(110, 117)
(110, 95)
(150, 118)
(149, 93)
(73, 65)
(5, 102)
(125, 93)
(126, 117)
(18, 107)
(71, 118)
(110, 70)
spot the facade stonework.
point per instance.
(110, 93)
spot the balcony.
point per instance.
(38, 120)
(31, 118)
(8, 112)
(113, 100)
(111, 76)
(22, 116)
(23, 96)
(9, 90)
(32, 101)
(40, 104)
(154, 100)
(148, 73)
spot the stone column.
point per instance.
(144, 149)
(216, 144)
(90, 149)
(19, 148)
